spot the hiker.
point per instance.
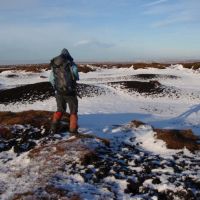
(63, 77)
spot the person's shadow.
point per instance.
(194, 109)
(180, 122)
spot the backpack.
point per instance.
(64, 80)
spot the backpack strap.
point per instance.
(72, 74)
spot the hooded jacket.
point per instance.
(66, 58)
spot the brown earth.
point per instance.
(150, 65)
(53, 162)
(54, 192)
(30, 92)
(195, 65)
(41, 91)
(35, 118)
(35, 125)
(151, 87)
(86, 68)
(5, 132)
(18, 130)
(127, 65)
(174, 139)
(154, 76)
(49, 159)
(136, 123)
(37, 68)
(178, 139)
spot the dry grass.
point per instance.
(36, 68)
(174, 139)
(51, 193)
(36, 118)
(178, 139)
(5, 133)
(150, 65)
(136, 123)
(194, 66)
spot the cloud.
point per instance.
(93, 43)
(174, 19)
(156, 3)
(82, 43)
(172, 12)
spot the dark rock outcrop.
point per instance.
(42, 91)
(151, 87)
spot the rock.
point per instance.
(136, 123)
(12, 75)
(180, 194)
(155, 76)
(103, 171)
(156, 83)
(156, 181)
(5, 146)
(151, 87)
(42, 91)
(24, 146)
(89, 158)
(43, 76)
(5, 133)
(132, 187)
(147, 169)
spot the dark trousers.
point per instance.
(63, 100)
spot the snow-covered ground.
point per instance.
(165, 112)
(108, 116)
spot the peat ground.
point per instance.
(98, 163)
(92, 66)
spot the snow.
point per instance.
(108, 116)
(22, 78)
(145, 136)
(120, 107)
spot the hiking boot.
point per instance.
(55, 123)
(73, 131)
(73, 126)
(54, 128)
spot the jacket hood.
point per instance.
(65, 53)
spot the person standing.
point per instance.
(63, 77)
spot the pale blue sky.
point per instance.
(99, 30)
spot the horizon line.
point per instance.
(37, 62)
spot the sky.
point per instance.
(34, 31)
